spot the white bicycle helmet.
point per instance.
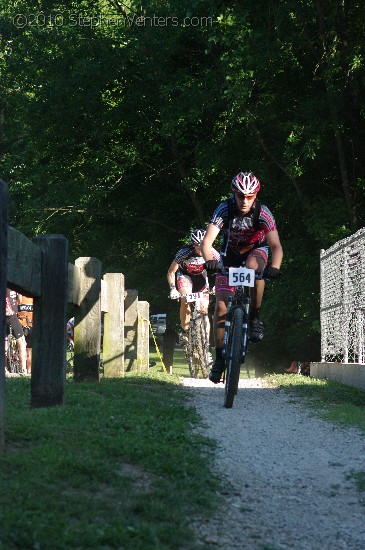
(246, 182)
(197, 236)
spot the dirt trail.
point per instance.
(290, 475)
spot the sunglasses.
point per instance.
(242, 196)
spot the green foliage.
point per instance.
(123, 136)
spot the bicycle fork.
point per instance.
(227, 324)
(245, 326)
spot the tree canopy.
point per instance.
(122, 125)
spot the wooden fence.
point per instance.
(40, 269)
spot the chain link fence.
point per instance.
(343, 300)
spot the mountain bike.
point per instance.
(196, 346)
(12, 353)
(236, 329)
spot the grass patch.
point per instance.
(180, 367)
(117, 466)
(332, 400)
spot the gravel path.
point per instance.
(289, 472)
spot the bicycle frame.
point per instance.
(236, 330)
(240, 299)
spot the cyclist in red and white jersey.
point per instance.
(249, 231)
(191, 276)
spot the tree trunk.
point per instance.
(182, 172)
(342, 160)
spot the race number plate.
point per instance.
(241, 276)
(194, 296)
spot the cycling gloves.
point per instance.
(272, 272)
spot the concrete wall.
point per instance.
(351, 374)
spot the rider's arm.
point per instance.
(171, 274)
(273, 241)
(206, 245)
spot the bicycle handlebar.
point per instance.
(225, 271)
(209, 292)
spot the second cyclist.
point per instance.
(191, 276)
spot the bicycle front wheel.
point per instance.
(234, 351)
(201, 345)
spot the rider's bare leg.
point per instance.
(207, 324)
(184, 314)
(203, 307)
(257, 293)
(29, 360)
(258, 264)
(217, 369)
(219, 317)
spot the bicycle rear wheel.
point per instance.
(236, 342)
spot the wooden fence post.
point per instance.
(49, 341)
(87, 335)
(24, 263)
(143, 347)
(3, 278)
(130, 330)
(113, 339)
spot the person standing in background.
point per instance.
(17, 329)
(25, 316)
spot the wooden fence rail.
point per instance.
(40, 269)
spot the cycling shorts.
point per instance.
(16, 328)
(186, 284)
(221, 281)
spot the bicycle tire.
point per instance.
(234, 354)
(200, 346)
